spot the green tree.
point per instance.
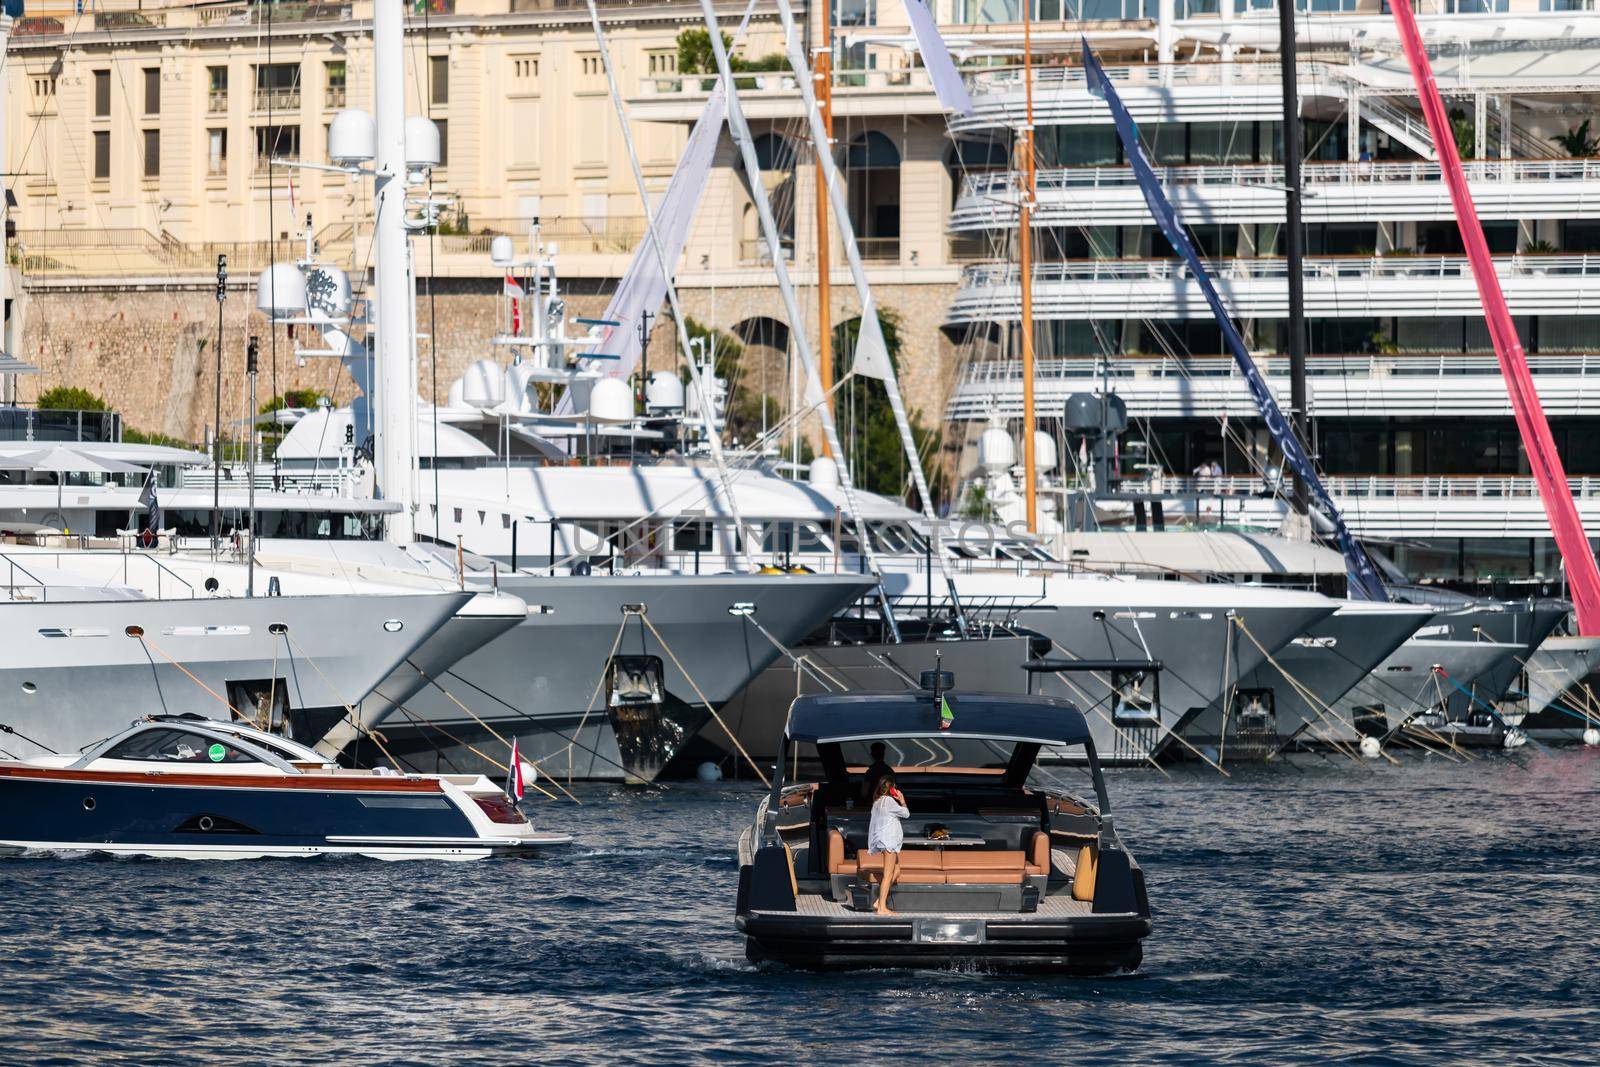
(133, 436)
(69, 398)
(1465, 132)
(696, 56)
(743, 414)
(293, 398)
(866, 422)
(1577, 142)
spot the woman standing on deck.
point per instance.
(884, 835)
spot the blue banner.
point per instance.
(1364, 581)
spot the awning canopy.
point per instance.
(834, 718)
(66, 460)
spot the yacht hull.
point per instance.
(1405, 685)
(73, 675)
(1293, 694)
(544, 682)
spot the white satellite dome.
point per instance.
(997, 452)
(502, 250)
(352, 138)
(422, 143)
(664, 393)
(824, 473)
(483, 386)
(1044, 452)
(453, 398)
(281, 291)
(611, 401)
(518, 377)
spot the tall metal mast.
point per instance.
(1025, 268)
(397, 383)
(823, 77)
(1293, 245)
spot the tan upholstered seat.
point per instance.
(983, 867)
(1039, 854)
(837, 863)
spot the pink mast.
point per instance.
(1583, 576)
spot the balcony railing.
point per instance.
(277, 99)
(988, 373)
(1437, 487)
(783, 83)
(216, 100)
(1050, 79)
(754, 250)
(989, 275)
(600, 235)
(252, 14)
(999, 185)
(879, 249)
(334, 96)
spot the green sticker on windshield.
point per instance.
(217, 753)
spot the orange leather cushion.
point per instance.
(983, 877)
(921, 877)
(974, 859)
(1039, 853)
(916, 859)
(837, 864)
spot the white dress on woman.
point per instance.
(884, 833)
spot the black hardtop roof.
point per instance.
(834, 717)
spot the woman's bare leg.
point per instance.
(891, 863)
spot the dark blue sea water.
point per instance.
(1429, 913)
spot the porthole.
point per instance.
(29, 687)
(394, 626)
(206, 823)
(88, 803)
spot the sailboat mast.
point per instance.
(1293, 243)
(823, 77)
(1025, 268)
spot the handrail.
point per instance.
(989, 372)
(12, 567)
(1429, 486)
(1393, 266)
(1002, 184)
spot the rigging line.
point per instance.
(616, 643)
(272, 246)
(696, 687)
(4, 729)
(438, 753)
(349, 710)
(145, 641)
(1324, 711)
(572, 740)
(481, 722)
(801, 663)
(419, 722)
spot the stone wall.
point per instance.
(150, 351)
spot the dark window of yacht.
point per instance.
(690, 535)
(1580, 235)
(177, 746)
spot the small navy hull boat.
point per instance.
(995, 869)
(191, 788)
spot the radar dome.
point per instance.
(352, 138)
(518, 377)
(997, 453)
(502, 250)
(664, 393)
(611, 401)
(452, 399)
(1044, 452)
(281, 291)
(483, 386)
(1082, 416)
(824, 473)
(422, 143)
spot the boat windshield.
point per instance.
(176, 746)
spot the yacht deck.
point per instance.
(1058, 906)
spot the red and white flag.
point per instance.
(516, 293)
(514, 786)
(291, 194)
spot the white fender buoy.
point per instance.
(1591, 737)
(530, 773)
(1370, 747)
(709, 772)
(1515, 738)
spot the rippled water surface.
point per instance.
(1431, 912)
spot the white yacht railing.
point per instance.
(1002, 185)
(1434, 487)
(990, 275)
(1216, 365)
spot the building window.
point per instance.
(44, 87)
(152, 90)
(152, 153)
(334, 94)
(102, 94)
(216, 151)
(277, 86)
(524, 67)
(276, 142)
(102, 155)
(444, 141)
(663, 63)
(438, 79)
(872, 176)
(217, 91)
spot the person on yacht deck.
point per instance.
(884, 834)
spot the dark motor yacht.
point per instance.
(995, 868)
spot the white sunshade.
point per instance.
(66, 460)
